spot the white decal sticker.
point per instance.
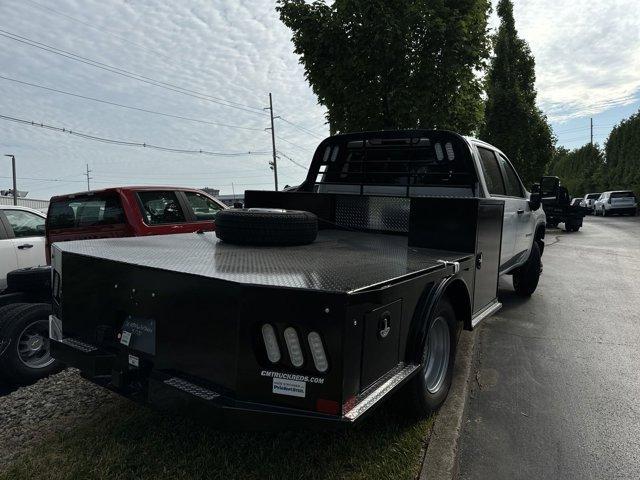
(126, 338)
(293, 388)
(133, 360)
(292, 376)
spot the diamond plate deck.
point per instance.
(338, 261)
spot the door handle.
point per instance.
(520, 212)
(24, 246)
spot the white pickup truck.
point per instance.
(312, 304)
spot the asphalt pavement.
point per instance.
(556, 386)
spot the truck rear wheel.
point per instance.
(525, 278)
(24, 338)
(428, 389)
(266, 226)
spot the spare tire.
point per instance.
(266, 226)
(32, 279)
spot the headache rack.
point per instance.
(391, 163)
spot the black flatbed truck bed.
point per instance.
(198, 304)
(338, 261)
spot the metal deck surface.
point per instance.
(338, 261)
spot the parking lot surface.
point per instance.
(556, 386)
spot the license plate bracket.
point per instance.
(139, 334)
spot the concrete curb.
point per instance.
(441, 458)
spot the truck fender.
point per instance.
(457, 291)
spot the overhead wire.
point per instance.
(100, 29)
(301, 128)
(278, 152)
(128, 143)
(130, 107)
(132, 75)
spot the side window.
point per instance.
(514, 187)
(160, 207)
(25, 224)
(492, 173)
(203, 207)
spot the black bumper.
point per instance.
(178, 395)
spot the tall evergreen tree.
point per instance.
(390, 64)
(622, 150)
(580, 170)
(512, 121)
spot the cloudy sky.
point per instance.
(218, 60)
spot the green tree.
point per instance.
(391, 64)
(580, 170)
(622, 150)
(512, 121)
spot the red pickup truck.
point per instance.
(113, 212)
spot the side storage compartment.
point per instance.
(466, 225)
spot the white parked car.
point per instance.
(22, 240)
(623, 202)
(590, 200)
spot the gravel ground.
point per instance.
(54, 404)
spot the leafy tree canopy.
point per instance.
(580, 170)
(392, 64)
(512, 121)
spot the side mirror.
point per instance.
(535, 200)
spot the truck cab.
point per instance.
(522, 223)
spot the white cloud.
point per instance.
(587, 53)
(234, 50)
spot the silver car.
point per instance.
(590, 200)
(622, 202)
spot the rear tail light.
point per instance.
(271, 343)
(317, 352)
(293, 346)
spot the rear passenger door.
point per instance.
(8, 256)
(496, 186)
(27, 229)
(162, 211)
(515, 192)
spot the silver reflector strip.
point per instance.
(317, 352)
(293, 345)
(271, 343)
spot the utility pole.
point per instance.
(88, 178)
(591, 131)
(15, 188)
(274, 164)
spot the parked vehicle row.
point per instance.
(25, 241)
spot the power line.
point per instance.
(132, 75)
(138, 109)
(100, 29)
(292, 160)
(294, 144)
(111, 141)
(300, 127)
